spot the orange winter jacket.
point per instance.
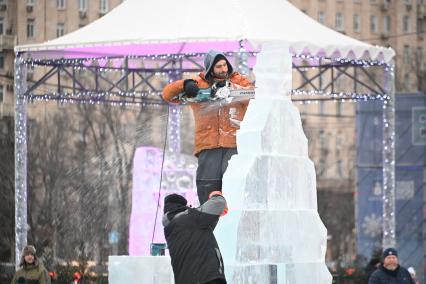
(213, 128)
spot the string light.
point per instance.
(351, 96)
(115, 63)
(65, 98)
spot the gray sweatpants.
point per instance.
(212, 164)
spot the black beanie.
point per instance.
(389, 251)
(174, 201)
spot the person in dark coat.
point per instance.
(194, 252)
(372, 265)
(390, 272)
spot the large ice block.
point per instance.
(139, 269)
(271, 182)
(269, 77)
(281, 236)
(278, 273)
(272, 125)
(272, 233)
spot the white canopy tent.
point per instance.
(143, 28)
(138, 27)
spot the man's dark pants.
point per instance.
(212, 164)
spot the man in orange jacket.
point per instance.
(215, 127)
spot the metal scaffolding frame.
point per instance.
(132, 85)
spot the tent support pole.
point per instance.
(21, 223)
(174, 115)
(388, 156)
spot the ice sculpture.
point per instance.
(272, 233)
(139, 269)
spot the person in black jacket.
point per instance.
(390, 272)
(194, 252)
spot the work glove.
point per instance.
(190, 88)
(216, 193)
(221, 84)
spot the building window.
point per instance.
(419, 55)
(321, 168)
(82, 5)
(387, 25)
(373, 1)
(340, 168)
(406, 24)
(30, 28)
(3, 2)
(1, 60)
(357, 23)
(406, 58)
(30, 3)
(322, 142)
(339, 108)
(407, 2)
(321, 17)
(1, 93)
(339, 22)
(321, 107)
(407, 83)
(103, 7)
(60, 4)
(1, 26)
(339, 141)
(373, 24)
(60, 29)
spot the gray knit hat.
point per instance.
(29, 250)
(211, 58)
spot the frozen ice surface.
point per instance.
(272, 125)
(277, 273)
(273, 71)
(272, 233)
(270, 182)
(281, 236)
(140, 269)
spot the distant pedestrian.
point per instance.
(390, 272)
(372, 265)
(32, 271)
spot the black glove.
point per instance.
(220, 84)
(190, 88)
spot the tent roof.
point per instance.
(150, 27)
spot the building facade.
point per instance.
(36, 21)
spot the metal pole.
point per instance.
(174, 116)
(388, 154)
(21, 226)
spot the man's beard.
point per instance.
(391, 267)
(223, 75)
